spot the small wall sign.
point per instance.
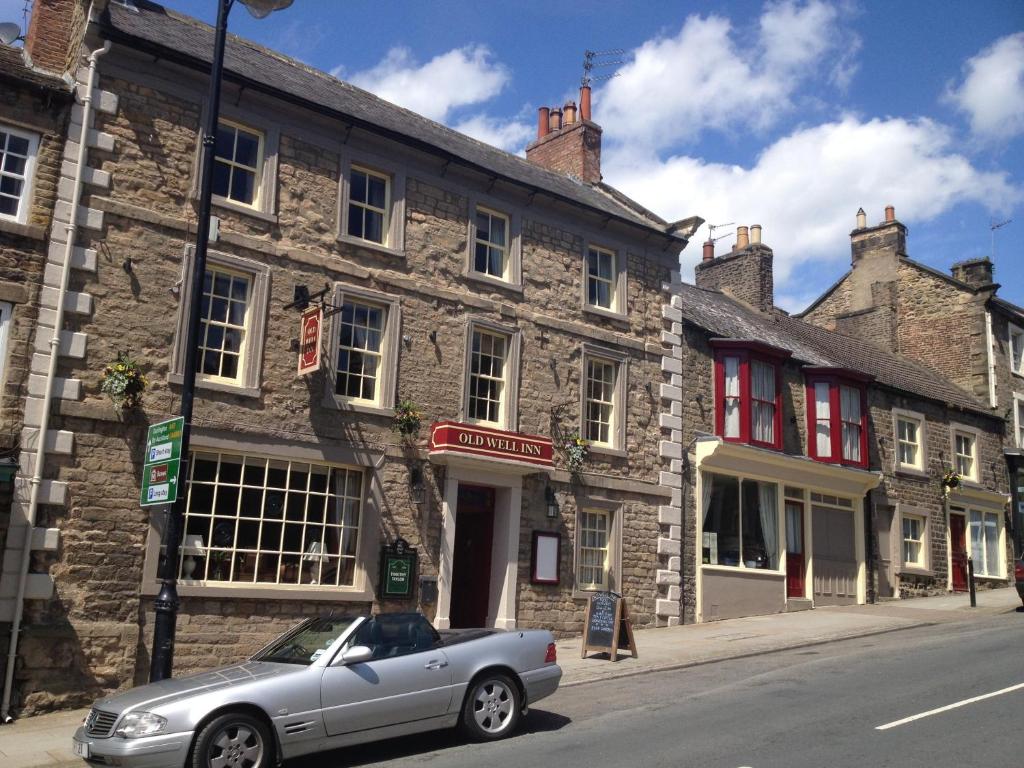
(310, 334)
(397, 569)
(547, 551)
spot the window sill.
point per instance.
(267, 591)
(216, 386)
(245, 210)
(993, 579)
(912, 472)
(371, 246)
(494, 282)
(584, 594)
(346, 405)
(964, 483)
(608, 314)
(31, 231)
(913, 571)
(767, 572)
(607, 450)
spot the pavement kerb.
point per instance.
(614, 675)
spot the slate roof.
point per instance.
(188, 41)
(13, 70)
(725, 317)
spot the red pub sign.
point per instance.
(486, 443)
(310, 332)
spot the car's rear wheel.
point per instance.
(233, 740)
(492, 707)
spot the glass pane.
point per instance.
(221, 179)
(247, 149)
(355, 220)
(357, 186)
(10, 186)
(243, 185)
(377, 192)
(721, 544)
(374, 227)
(992, 545)
(8, 206)
(224, 147)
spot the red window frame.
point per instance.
(836, 378)
(747, 352)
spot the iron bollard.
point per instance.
(970, 582)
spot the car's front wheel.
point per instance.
(492, 708)
(233, 740)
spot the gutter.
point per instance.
(51, 374)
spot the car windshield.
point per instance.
(307, 642)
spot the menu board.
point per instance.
(607, 627)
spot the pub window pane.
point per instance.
(360, 349)
(225, 305)
(368, 203)
(236, 164)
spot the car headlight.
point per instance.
(136, 724)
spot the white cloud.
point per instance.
(806, 188)
(992, 91)
(450, 80)
(711, 76)
(509, 135)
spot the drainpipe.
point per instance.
(51, 374)
(991, 360)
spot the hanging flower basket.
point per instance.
(123, 382)
(408, 418)
(950, 480)
(576, 452)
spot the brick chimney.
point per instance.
(885, 240)
(745, 273)
(977, 273)
(54, 34)
(568, 141)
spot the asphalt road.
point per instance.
(818, 707)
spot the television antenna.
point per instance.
(592, 59)
(713, 227)
(993, 226)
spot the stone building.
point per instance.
(517, 304)
(955, 323)
(813, 460)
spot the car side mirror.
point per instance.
(356, 655)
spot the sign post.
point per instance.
(162, 463)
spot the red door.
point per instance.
(796, 568)
(958, 545)
(471, 560)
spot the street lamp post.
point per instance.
(166, 604)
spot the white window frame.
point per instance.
(6, 321)
(508, 416)
(251, 358)
(512, 279)
(387, 380)
(923, 563)
(394, 225)
(921, 466)
(1018, 418)
(613, 559)
(780, 519)
(974, 434)
(617, 310)
(616, 444)
(26, 198)
(257, 170)
(1015, 332)
(983, 569)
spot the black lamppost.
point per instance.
(166, 603)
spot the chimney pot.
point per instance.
(543, 125)
(709, 250)
(569, 113)
(755, 234)
(862, 219)
(742, 238)
(890, 214)
(585, 102)
(555, 121)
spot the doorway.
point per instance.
(471, 557)
(958, 551)
(795, 562)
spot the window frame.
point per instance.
(27, 196)
(619, 283)
(747, 352)
(962, 430)
(982, 569)
(387, 383)
(900, 414)
(613, 571)
(835, 379)
(251, 358)
(6, 322)
(258, 170)
(394, 231)
(513, 279)
(1018, 418)
(617, 429)
(509, 420)
(1014, 331)
(923, 565)
(706, 476)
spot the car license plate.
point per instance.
(80, 748)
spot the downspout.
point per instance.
(51, 374)
(991, 360)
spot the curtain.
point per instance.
(732, 397)
(794, 526)
(763, 384)
(823, 415)
(705, 497)
(850, 410)
(977, 538)
(769, 522)
(992, 545)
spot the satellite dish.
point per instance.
(9, 32)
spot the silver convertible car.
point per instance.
(328, 683)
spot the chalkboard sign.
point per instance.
(607, 627)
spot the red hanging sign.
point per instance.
(310, 333)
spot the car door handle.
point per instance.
(435, 664)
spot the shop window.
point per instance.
(836, 418)
(1016, 350)
(748, 406)
(909, 440)
(594, 551)
(238, 163)
(17, 159)
(740, 523)
(262, 521)
(985, 543)
(914, 549)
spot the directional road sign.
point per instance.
(162, 462)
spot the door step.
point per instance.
(798, 604)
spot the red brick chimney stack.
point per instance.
(54, 34)
(572, 142)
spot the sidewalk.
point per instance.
(44, 741)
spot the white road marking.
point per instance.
(948, 707)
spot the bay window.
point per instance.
(748, 405)
(837, 416)
(740, 522)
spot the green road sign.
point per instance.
(162, 462)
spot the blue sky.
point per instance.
(786, 114)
